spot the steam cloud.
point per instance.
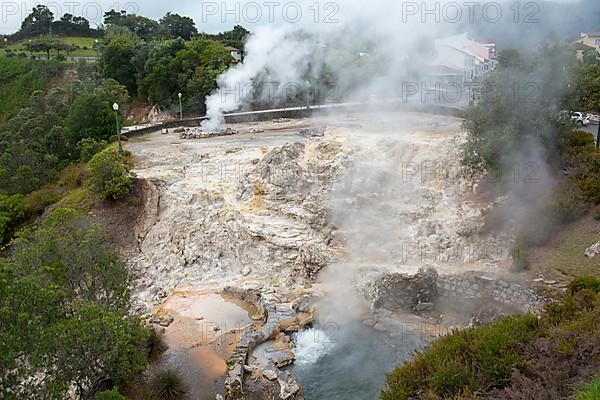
(368, 50)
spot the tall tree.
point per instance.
(39, 22)
(118, 51)
(174, 26)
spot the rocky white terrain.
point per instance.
(367, 217)
(383, 193)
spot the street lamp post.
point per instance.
(120, 148)
(97, 49)
(598, 137)
(180, 108)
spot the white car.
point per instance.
(580, 118)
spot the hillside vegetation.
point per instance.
(75, 46)
(19, 78)
(519, 357)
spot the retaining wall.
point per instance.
(474, 285)
(304, 112)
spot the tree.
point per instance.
(163, 71)
(587, 95)
(174, 26)
(590, 56)
(235, 37)
(519, 109)
(46, 44)
(72, 256)
(188, 67)
(143, 27)
(72, 25)
(64, 314)
(95, 348)
(90, 117)
(39, 22)
(510, 58)
(118, 50)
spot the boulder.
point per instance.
(289, 385)
(593, 250)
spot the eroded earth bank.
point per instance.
(305, 258)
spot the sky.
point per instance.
(210, 16)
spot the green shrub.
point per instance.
(581, 139)
(13, 209)
(464, 361)
(40, 199)
(70, 178)
(514, 355)
(110, 174)
(65, 308)
(591, 391)
(89, 147)
(167, 385)
(110, 395)
(584, 282)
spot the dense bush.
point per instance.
(64, 313)
(463, 361)
(20, 78)
(43, 138)
(583, 283)
(110, 174)
(110, 395)
(581, 189)
(89, 147)
(506, 127)
(12, 211)
(84, 264)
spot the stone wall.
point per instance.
(475, 285)
(420, 292)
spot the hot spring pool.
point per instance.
(347, 363)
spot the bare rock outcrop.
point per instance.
(262, 218)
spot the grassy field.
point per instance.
(85, 47)
(563, 257)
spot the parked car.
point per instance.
(580, 118)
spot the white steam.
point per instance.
(370, 49)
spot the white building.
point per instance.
(462, 60)
(235, 53)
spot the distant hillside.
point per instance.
(78, 46)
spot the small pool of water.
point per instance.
(200, 339)
(348, 362)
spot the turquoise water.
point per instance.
(347, 362)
